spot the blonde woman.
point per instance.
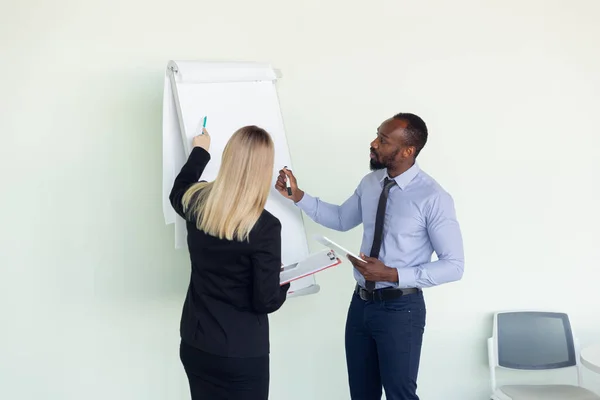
(235, 252)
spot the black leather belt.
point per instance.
(383, 294)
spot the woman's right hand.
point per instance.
(202, 140)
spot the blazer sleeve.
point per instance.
(267, 295)
(190, 174)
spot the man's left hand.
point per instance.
(373, 269)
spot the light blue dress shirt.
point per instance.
(419, 219)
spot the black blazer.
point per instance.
(233, 285)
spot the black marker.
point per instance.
(287, 183)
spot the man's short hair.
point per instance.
(415, 131)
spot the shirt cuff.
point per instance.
(406, 278)
(307, 203)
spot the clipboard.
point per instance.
(311, 265)
(336, 247)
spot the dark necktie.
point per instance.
(378, 235)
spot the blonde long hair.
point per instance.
(230, 206)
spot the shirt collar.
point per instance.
(404, 178)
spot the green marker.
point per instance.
(201, 128)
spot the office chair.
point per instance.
(534, 340)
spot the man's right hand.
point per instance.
(281, 187)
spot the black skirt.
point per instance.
(213, 377)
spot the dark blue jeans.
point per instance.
(383, 347)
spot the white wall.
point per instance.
(91, 287)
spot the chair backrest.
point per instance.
(532, 340)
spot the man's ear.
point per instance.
(408, 152)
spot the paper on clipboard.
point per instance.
(309, 266)
(335, 247)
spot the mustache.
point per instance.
(373, 151)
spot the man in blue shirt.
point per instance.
(406, 216)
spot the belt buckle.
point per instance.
(363, 294)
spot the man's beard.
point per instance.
(376, 165)
(387, 162)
